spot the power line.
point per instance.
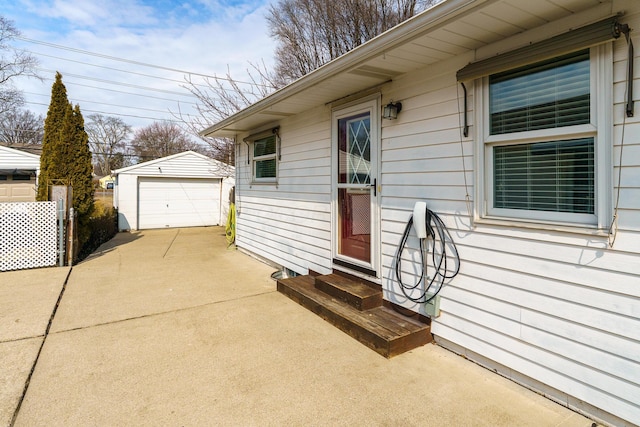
(114, 114)
(185, 93)
(115, 69)
(143, 64)
(67, 82)
(108, 104)
(96, 79)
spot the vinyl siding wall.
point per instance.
(289, 222)
(15, 159)
(555, 310)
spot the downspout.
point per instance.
(37, 179)
(220, 202)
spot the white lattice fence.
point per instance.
(28, 235)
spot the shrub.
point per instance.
(102, 226)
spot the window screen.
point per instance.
(548, 94)
(556, 176)
(264, 146)
(264, 156)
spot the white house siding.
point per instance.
(289, 223)
(557, 311)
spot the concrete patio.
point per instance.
(169, 327)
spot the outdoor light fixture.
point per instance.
(391, 110)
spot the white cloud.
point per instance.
(197, 36)
(81, 13)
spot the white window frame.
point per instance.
(600, 129)
(270, 156)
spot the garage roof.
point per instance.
(11, 159)
(449, 29)
(187, 163)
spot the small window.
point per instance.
(17, 177)
(543, 141)
(4, 177)
(264, 159)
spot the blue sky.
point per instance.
(83, 40)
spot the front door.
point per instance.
(355, 180)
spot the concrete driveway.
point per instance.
(168, 327)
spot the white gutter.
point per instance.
(412, 28)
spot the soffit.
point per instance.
(452, 28)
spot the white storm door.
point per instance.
(355, 182)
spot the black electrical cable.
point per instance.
(438, 233)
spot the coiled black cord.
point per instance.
(438, 233)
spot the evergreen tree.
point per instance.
(66, 157)
(49, 162)
(80, 167)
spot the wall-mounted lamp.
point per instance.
(391, 110)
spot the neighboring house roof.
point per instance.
(27, 148)
(215, 167)
(470, 28)
(12, 160)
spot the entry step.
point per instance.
(380, 328)
(356, 293)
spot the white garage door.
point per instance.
(17, 188)
(173, 202)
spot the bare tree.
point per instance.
(219, 97)
(309, 34)
(107, 139)
(161, 139)
(13, 63)
(21, 127)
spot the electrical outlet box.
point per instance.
(432, 308)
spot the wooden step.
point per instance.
(356, 293)
(381, 329)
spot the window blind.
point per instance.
(545, 95)
(266, 168)
(555, 176)
(264, 152)
(265, 146)
(580, 38)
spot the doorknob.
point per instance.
(375, 187)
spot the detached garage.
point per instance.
(183, 190)
(18, 175)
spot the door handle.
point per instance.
(375, 187)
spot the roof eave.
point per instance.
(409, 29)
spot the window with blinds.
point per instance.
(556, 174)
(264, 158)
(546, 95)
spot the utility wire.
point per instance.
(107, 104)
(96, 79)
(114, 69)
(129, 61)
(84, 110)
(130, 85)
(67, 82)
